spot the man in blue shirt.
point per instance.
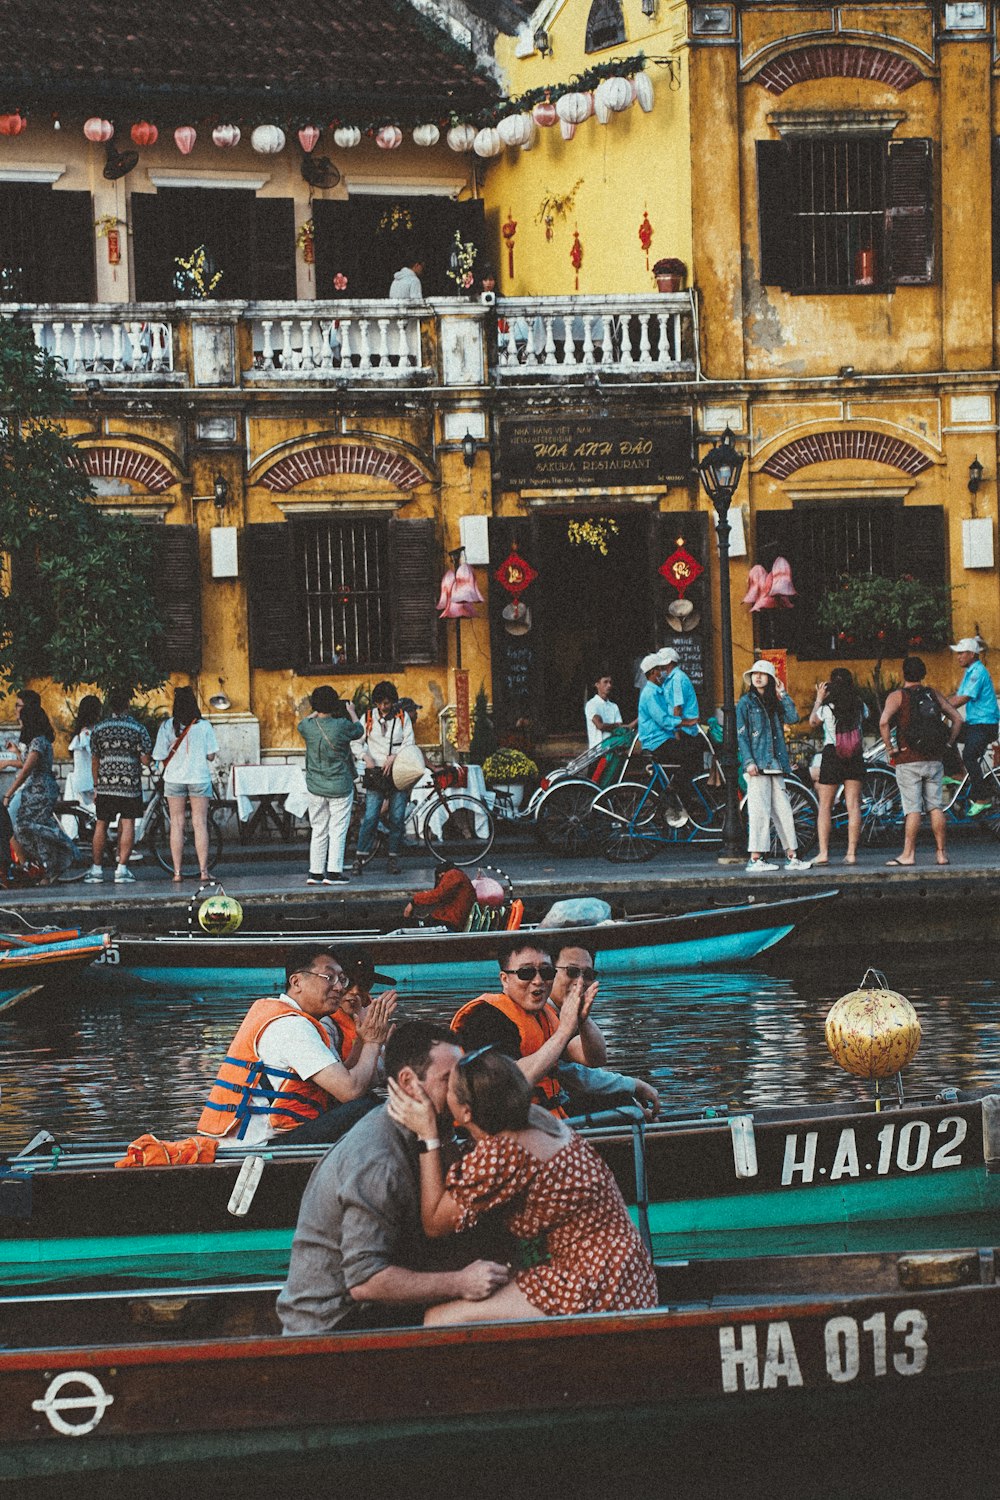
(668, 720)
(982, 718)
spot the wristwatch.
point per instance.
(424, 1146)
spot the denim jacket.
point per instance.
(754, 735)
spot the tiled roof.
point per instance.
(341, 56)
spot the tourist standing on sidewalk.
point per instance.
(387, 729)
(328, 732)
(917, 714)
(761, 715)
(982, 718)
(38, 830)
(185, 748)
(120, 747)
(840, 712)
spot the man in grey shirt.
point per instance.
(359, 1248)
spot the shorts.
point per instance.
(188, 788)
(110, 806)
(834, 772)
(919, 783)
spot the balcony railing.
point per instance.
(435, 343)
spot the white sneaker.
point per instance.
(756, 866)
(93, 877)
(798, 864)
(124, 876)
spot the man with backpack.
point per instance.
(918, 714)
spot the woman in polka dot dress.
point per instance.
(559, 1197)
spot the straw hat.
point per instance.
(516, 618)
(759, 666)
(682, 615)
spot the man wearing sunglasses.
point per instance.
(283, 1075)
(577, 966)
(553, 1047)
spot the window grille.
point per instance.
(838, 191)
(605, 26)
(342, 568)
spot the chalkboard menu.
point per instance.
(517, 659)
(691, 650)
(554, 452)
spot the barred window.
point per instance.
(343, 567)
(605, 26)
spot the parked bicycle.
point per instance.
(562, 805)
(454, 824)
(152, 834)
(882, 807)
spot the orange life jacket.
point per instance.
(347, 1030)
(534, 1031)
(243, 1086)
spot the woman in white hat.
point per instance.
(761, 714)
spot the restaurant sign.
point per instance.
(556, 452)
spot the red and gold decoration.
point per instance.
(463, 713)
(515, 573)
(778, 657)
(509, 230)
(576, 258)
(645, 236)
(306, 241)
(873, 1032)
(680, 570)
(107, 228)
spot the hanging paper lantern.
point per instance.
(781, 579)
(516, 130)
(268, 140)
(756, 579)
(184, 138)
(873, 1032)
(308, 136)
(574, 107)
(529, 144)
(426, 135)
(144, 134)
(444, 597)
(644, 92)
(220, 915)
(226, 136)
(461, 137)
(98, 130)
(346, 137)
(389, 137)
(466, 589)
(12, 124)
(765, 599)
(544, 113)
(610, 97)
(567, 129)
(487, 142)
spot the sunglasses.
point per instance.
(527, 972)
(573, 971)
(471, 1057)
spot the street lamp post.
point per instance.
(720, 471)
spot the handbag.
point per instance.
(374, 779)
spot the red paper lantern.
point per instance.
(12, 124)
(680, 570)
(308, 136)
(509, 230)
(144, 134)
(515, 573)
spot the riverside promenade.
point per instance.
(925, 905)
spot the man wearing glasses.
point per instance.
(283, 1076)
(557, 1047)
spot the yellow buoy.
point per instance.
(873, 1032)
(220, 915)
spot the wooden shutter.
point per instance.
(175, 221)
(339, 240)
(920, 542)
(909, 213)
(996, 208)
(271, 595)
(274, 279)
(773, 216)
(68, 241)
(152, 247)
(415, 566)
(178, 597)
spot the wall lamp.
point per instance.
(220, 493)
(542, 42)
(975, 476)
(469, 446)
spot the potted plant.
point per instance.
(507, 771)
(669, 273)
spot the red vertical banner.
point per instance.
(463, 716)
(779, 661)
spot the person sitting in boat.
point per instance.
(359, 1257)
(447, 905)
(283, 1075)
(523, 1023)
(558, 1197)
(354, 1003)
(576, 965)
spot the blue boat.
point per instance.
(29, 963)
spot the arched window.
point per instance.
(605, 25)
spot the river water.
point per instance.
(112, 1058)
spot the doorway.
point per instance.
(598, 611)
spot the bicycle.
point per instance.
(882, 807)
(562, 805)
(452, 822)
(152, 833)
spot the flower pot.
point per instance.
(668, 283)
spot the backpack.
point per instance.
(924, 729)
(848, 743)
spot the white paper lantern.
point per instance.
(268, 140)
(516, 130)
(487, 142)
(226, 136)
(389, 137)
(644, 91)
(602, 109)
(426, 135)
(347, 137)
(611, 96)
(98, 130)
(461, 137)
(567, 129)
(574, 107)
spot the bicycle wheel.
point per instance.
(458, 827)
(157, 840)
(708, 806)
(625, 822)
(881, 806)
(562, 819)
(805, 809)
(991, 819)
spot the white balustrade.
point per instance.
(91, 342)
(558, 338)
(371, 340)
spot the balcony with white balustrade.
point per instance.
(562, 339)
(129, 343)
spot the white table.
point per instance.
(266, 786)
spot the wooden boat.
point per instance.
(634, 945)
(138, 1383)
(29, 962)
(831, 1178)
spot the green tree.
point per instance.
(885, 616)
(77, 602)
